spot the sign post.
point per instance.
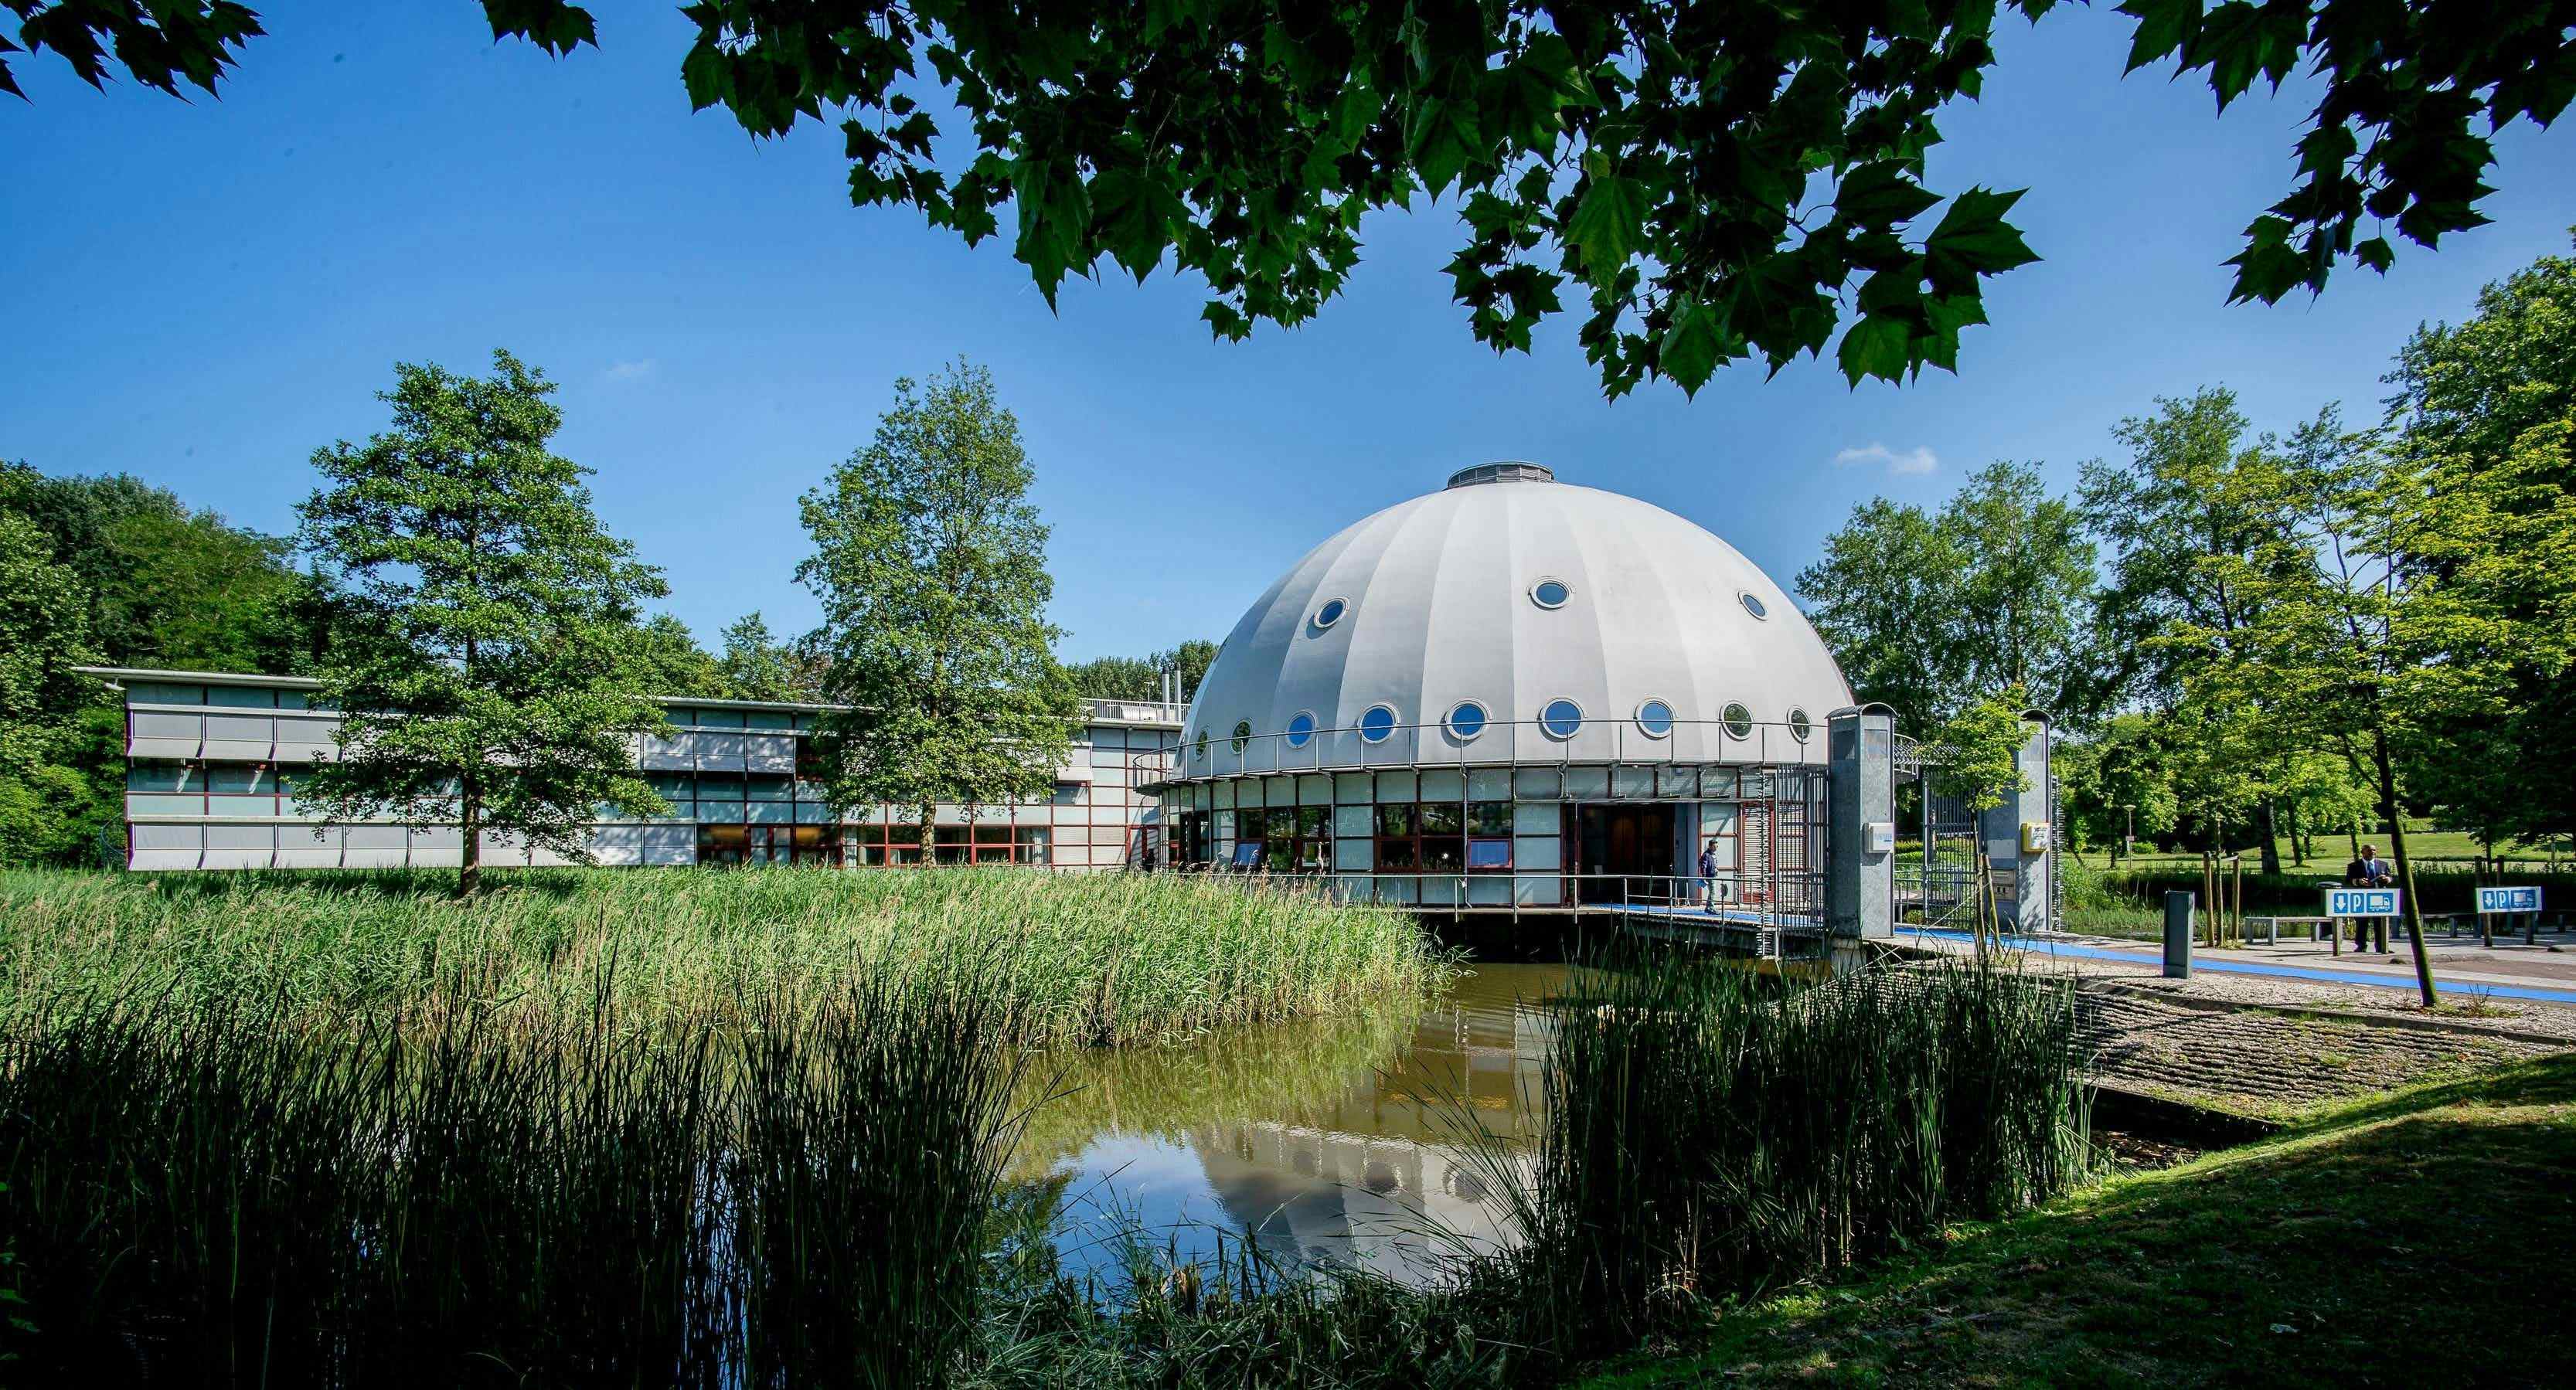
(2507, 901)
(2359, 902)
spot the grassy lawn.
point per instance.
(2425, 1236)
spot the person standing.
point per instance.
(1708, 875)
(2368, 871)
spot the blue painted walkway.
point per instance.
(2211, 961)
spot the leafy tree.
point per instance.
(1141, 678)
(756, 666)
(931, 567)
(1979, 752)
(1116, 678)
(43, 635)
(1994, 591)
(1715, 182)
(669, 661)
(165, 586)
(2340, 634)
(493, 677)
(2119, 782)
(2196, 504)
(2487, 412)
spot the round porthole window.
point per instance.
(1754, 606)
(1242, 734)
(1467, 720)
(1800, 725)
(1655, 719)
(1550, 593)
(1330, 613)
(1739, 721)
(1561, 719)
(1301, 729)
(1377, 724)
(1201, 749)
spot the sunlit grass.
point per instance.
(1084, 959)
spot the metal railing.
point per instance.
(1211, 755)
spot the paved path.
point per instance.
(2505, 972)
(2257, 1060)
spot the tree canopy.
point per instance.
(491, 676)
(931, 567)
(1929, 613)
(1712, 182)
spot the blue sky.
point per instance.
(202, 294)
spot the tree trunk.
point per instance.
(469, 879)
(2388, 807)
(2271, 828)
(930, 834)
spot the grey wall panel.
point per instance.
(438, 847)
(241, 728)
(770, 752)
(669, 844)
(504, 851)
(377, 847)
(618, 844)
(170, 839)
(719, 752)
(297, 847)
(667, 754)
(240, 846)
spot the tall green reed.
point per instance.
(203, 1192)
(1710, 1131)
(1082, 959)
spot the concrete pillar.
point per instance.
(1860, 839)
(2024, 877)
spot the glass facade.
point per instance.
(212, 771)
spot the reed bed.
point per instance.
(203, 1193)
(1711, 1132)
(1073, 959)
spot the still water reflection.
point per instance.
(1339, 1141)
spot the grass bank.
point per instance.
(1081, 959)
(2422, 1236)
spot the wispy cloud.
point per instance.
(629, 371)
(1898, 463)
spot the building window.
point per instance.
(1739, 721)
(1799, 725)
(1753, 605)
(1466, 720)
(1242, 734)
(1199, 750)
(1654, 719)
(1550, 593)
(1301, 729)
(1283, 839)
(1377, 724)
(1330, 613)
(1562, 719)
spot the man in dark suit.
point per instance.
(2369, 871)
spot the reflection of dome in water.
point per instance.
(1500, 599)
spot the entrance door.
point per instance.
(1625, 853)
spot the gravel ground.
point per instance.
(2465, 1004)
(2260, 1061)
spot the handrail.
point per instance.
(1498, 743)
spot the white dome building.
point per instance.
(1513, 692)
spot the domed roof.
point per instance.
(1514, 592)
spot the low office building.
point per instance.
(212, 758)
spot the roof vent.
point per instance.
(1508, 471)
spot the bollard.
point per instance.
(2178, 905)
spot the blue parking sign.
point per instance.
(2361, 902)
(2508, 900)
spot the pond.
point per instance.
(1338, 1141)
